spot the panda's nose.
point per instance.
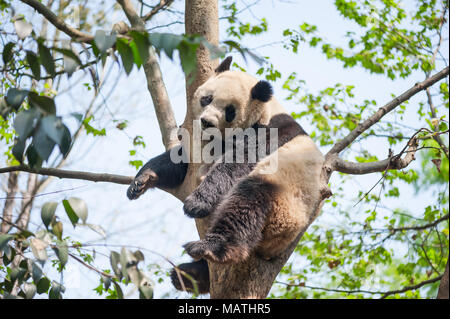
(206, 124)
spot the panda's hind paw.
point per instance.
(215, 251)
(195, 208)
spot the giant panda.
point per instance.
(252, 211)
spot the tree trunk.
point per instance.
(443, 288)
(254, 277)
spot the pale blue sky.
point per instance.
(156, 221)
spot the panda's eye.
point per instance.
(206, 100)
(230, 113)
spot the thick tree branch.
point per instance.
(393, 162)
(94, 177)
(155, 83)
(346, 141)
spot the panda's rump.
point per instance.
(297, 177)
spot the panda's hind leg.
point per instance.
(236, 228)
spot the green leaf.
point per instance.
(35, 270)
(7, 53)
(17, 274)
(103, 41)
(43, 144)
(24, 122)
(44, 103)
(23, 28)
(142, 44)
(43, 285)
(57, 132)
(47, 212)
(165, 41)
(35, 66)
(75, 208)
(33, 157)
(15, 97)
(126, 53)
(38, 247)
(114, 259)
(4, 239)
(29, 289)
(18, 149)
(62, 252)
(55, 291)
(47, 59)
(118, 290)
(57, 229)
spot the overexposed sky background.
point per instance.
(156, 222)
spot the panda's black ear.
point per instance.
(225, 65)
(262, 91)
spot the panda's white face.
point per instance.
(224, 101)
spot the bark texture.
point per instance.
(443, 288)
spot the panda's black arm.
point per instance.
(159, 172)
(219, 180)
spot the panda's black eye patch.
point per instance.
(206, 100)
(230, 113)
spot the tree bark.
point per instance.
(443, 287)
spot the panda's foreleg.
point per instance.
(238, 222)
(159, 172)
(219, 180)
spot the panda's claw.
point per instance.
(147, 179)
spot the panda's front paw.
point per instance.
(141, 183)
(194, 207)
(216, 251)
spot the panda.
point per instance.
(251, 211)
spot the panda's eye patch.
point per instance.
(206, 100)
(230, 113)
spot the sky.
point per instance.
(156, 222)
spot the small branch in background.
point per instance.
(94, 177)
(160, 6)
(383, 293)
(362, 127)
(9, 202)
(58, 22)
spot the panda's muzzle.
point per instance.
(206, 124)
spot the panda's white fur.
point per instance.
(233, 88)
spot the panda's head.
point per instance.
(230, 99)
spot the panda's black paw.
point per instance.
(194, 207)
(196, 271)
(145, 180)
(216, 251)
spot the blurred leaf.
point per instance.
(29, 289)
(104, 41)
(4, 239)
(75, 208)
(62, 251)
(23, 28)
(35, 66)
(15, 97)
(47, 59)
(7, 53)
(45, 103)
(43, 285)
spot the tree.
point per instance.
(383, 46)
